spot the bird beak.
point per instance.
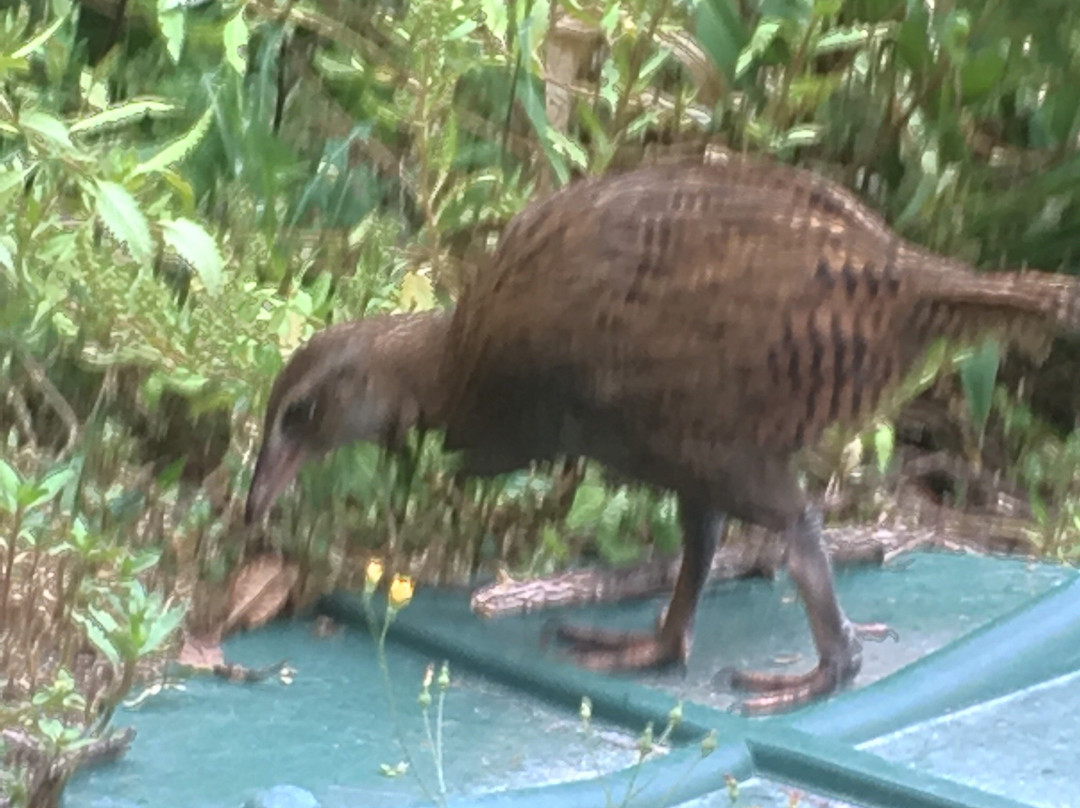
(279, 461)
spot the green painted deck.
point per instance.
(975, 706)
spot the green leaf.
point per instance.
(123, 114)
(651, 67)
(764, 35)
(11, 181)
(588, 504)
(10, 65)
(807, 134)
(9, 486)
(884, 445)
(462, 30)
(48, 128)
(171, 22)
(121, 215)
(721, 33)
(615, 547)
(180, 148)
(100, 640)
(49, 486)
(161, 628)
(610, 19)
(495, 17)
(235, 39)
(924, 192)
(65, 325)
(571, 149)
(537, 115)
(853, 37)
(554, 544)
(51, 729)
(982, 73)
(664, 524)
(978, 375)
(40, 39)
(7, 256)
(142, 561)
(197, 247)
(913, 41)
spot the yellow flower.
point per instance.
(372, 575)
(401, 591)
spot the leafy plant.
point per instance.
(187, 193)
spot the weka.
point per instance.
(689, 326)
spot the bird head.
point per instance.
(347, 384)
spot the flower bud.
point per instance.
(424, 699)
(708, 743)
(401, 591)
(372, 575)
(645, 742)
(675, 716)
(585, 712)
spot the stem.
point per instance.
(661, 741)
(384, 668)
(434, 755)
(438, 742)
(114, 698)
(633, 778)
(591, 743)
(8, 569)
(794, 67)
(30, 598)
(637, 59)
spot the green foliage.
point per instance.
(884, 446)
(1048, 468)
(623, 520)
(978, 375)
(182, 205)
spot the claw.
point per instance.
(787, 692)
(606, 650)
(875, 632)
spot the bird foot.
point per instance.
(606, 650)
(785, 691)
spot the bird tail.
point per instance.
(1026, 308)
(1052, 299)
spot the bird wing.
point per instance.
(689, 311)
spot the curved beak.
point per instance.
(278, 463)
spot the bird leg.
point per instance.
(835, 637)
(605, 650)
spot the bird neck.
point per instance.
(418, 346)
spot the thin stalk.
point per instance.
(384, 668)
(10, 566)
(438, 741)
(661, 741)
(637, 59)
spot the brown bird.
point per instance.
(689, 326)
